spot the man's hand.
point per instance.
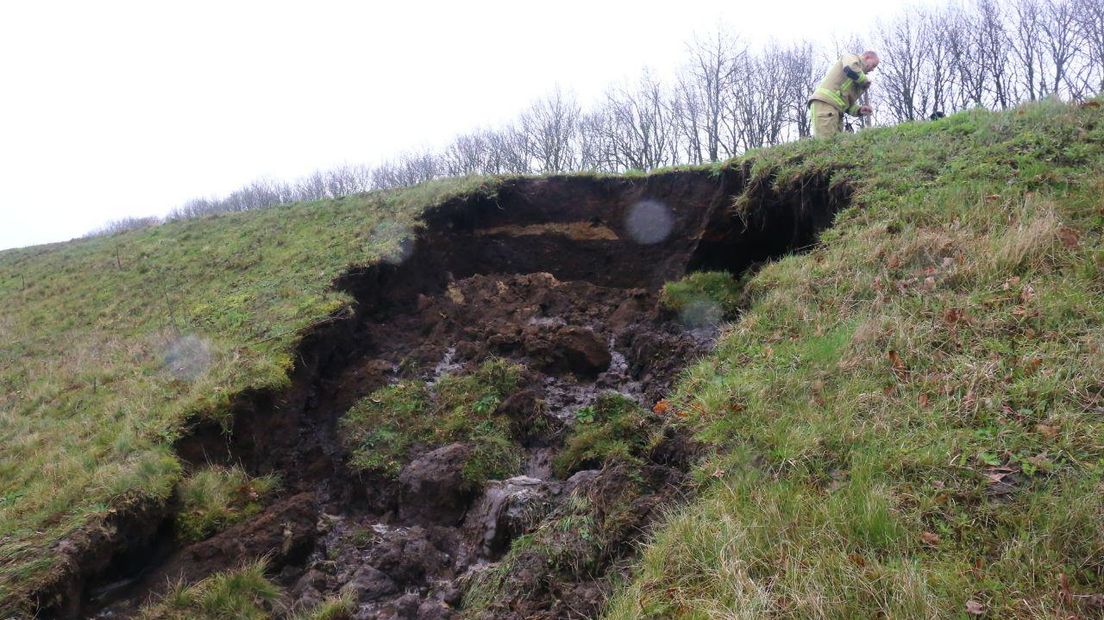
(865, 110)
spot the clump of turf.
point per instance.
(382, 430)
(216, 497)
(614, 427)
(244, 594)
(704, 297)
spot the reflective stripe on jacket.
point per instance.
(841, 91)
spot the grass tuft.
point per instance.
(214, 498)
(615, 427)
(244, 593)
(704, 297)
(381, 430)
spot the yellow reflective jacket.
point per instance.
(843, 85)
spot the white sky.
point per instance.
(114, 109)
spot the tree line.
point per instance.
(729, 96)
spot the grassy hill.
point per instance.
(112, 345)
(908, 421)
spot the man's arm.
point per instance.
(854, 72)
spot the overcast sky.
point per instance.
(115, 109)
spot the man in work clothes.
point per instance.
(839, 92)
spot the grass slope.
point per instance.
(110, 345)
(909, 419)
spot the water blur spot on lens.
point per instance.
(394, 241)
(702, 313)
(187, 357)
(649, 221)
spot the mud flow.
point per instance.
(559, 277)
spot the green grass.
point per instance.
(111, 345)
(244, 594)
(948, 331)
(615, 427)
(704, 297)
(381, 429)
(910, 417)
(214, 498)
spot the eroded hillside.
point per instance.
(475, 397)
(554, 282)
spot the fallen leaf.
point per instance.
(1041, 461)
(1046, 430)
(993, 197)
(923, 400)
(899, 368)
(1069, 237)
(930, 538)
(1027, 294)
(974, 608)
(661, 407)
(954, 315)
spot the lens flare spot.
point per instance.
(702, 313)
(187, 357)
(649, 222)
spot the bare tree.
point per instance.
(311, 187)
(1027, 50)
(1059, 29)
(1090, 27)
(937, 81)
(991, 39)
(124, 224)
(508, 151)
(906, 52)
(703, 90)
(467, 154)
(408, 169)
(595, 145)
(550, 126)
(639, 131)
(757, 111)
(347, 179)
(966, 58)
(798, 73)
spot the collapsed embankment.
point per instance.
(560, 276)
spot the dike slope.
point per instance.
(904, 422)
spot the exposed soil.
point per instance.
(560, 275)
